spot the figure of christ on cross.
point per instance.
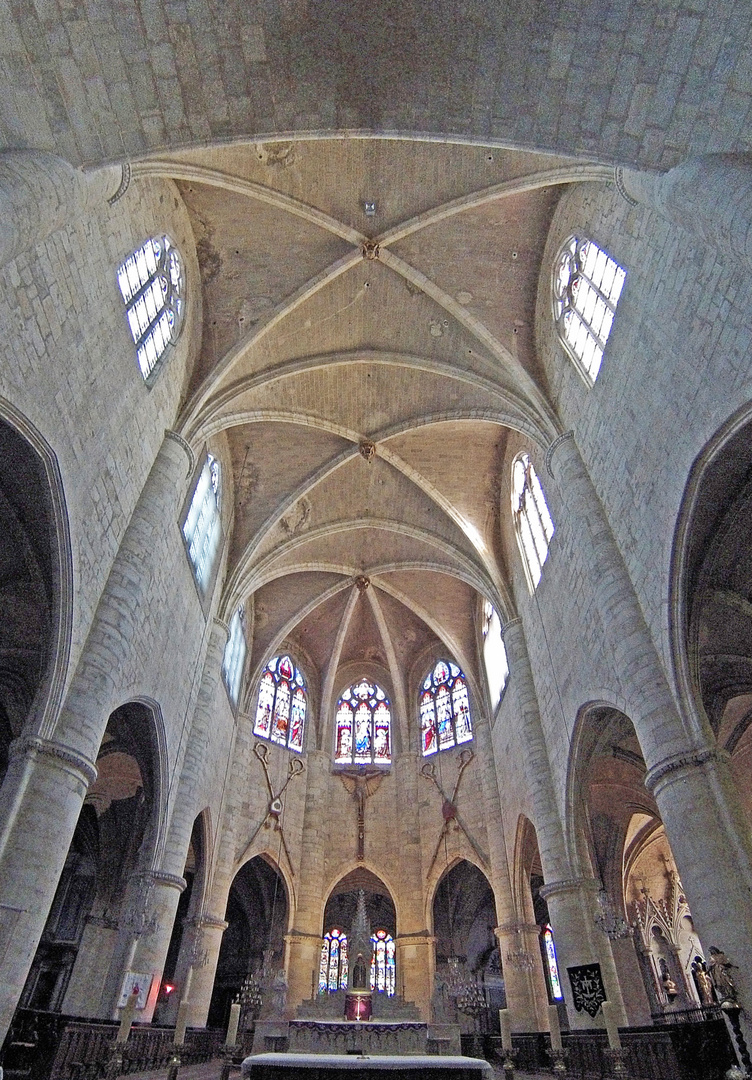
(361, 782)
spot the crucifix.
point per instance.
(449, 809)
(275, 806)
(361, 782)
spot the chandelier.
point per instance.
(471, 1000)
(613, 925)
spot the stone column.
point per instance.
(687, 774)
(48, 775)
(168, 882)
(207, 931)
(415, 963)
(709, 196)
(571, 898)
(304, 940)
(524, 985)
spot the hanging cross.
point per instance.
(361, 783)
(275, 806)
(449, 809)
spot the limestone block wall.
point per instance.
(69, 366)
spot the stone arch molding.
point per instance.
(263, 851)
(440, 872)
(347, 868)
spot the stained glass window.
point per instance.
(201, 527)
(494, 654)
(587, 286)
(282, 704)
(383, 975)
(363, 726)
(234, 655)
(552, 966)
(333, 965)
(532, 519)
(444, 709)
(152, 285)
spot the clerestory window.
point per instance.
(444, 709)
(152, 285)
(202, 527)
(234, 656)
(282, 704)
(587, 285)
(363, 725)
(532, 519)
(494, 654)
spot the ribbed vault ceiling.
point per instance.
(366, 370)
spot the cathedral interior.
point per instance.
(375, 406)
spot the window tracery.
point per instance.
(151, 283)
(383, 971)
(202, 526)
(363, 726)
(282, 704)
(587, 285)
(532, 519)
(444, 709)
(234, 656)
(494, 654)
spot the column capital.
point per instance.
(185, 446)
(569, 885)
(213, 922)
(675, 767)
(558, 441)
(33, 746)
(420, 937)
(513, 929)
(161, 877)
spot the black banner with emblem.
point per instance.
(588, 991)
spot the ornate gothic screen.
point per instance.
(234, 656)
(282, 704)
(363, 726)
(333, 966)
(532, 520)
(587, 286)
(494, 654)
(444, 709)
(201, 527)
(383, 974)
(151, 283)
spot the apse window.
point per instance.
(444, 709)
(202, 527)
(152, 285)
(234, 656)
(587, 285)
(363, 726)
(333, 964)
(494, 654)
(383, 969)
(532, 520)
(282, 704)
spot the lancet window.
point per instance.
(282, 704)
(532, 519)
(234, 656)
(552, 966)
(333, 965)
(363, 726)
(444, 709)
(383, 971)
(494, 654)
(587, 286)
(152, 285)
(202, 528)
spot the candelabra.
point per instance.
(613, 925)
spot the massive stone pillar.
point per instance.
(571, 897)
(524, 985)
(167, 882)
(304, 939)
(48, 775)
(415, 958)
(687, 774)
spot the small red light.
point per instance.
(168, 989)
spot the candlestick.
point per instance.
(505, 1020)
(181, 1024)
(126, 1017)
(232, 1027)
(608, 1008)
(553, 1021)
